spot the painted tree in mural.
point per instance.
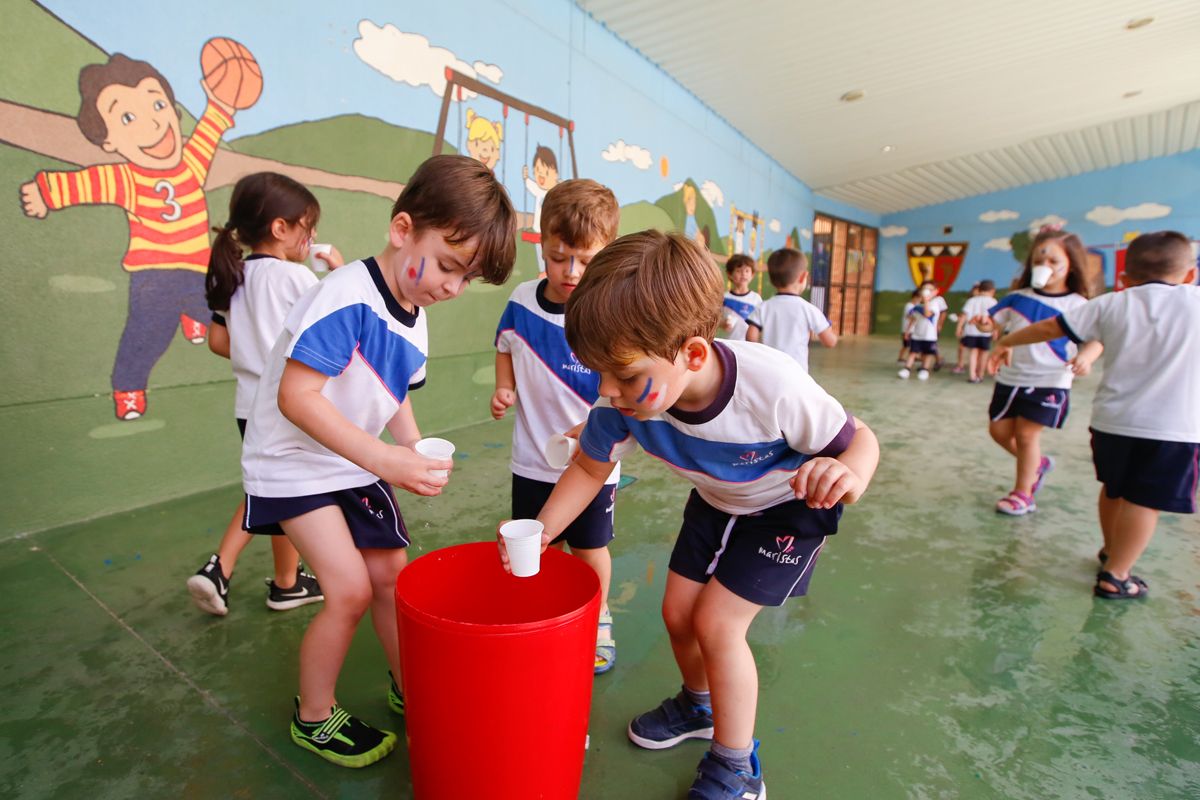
(128, 108)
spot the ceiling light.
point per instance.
(853, 95)
(1133, 93)
(1140, 22)
(887, 148)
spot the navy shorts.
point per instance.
(922, 347)
(1044, 406)
(371, 513)
(765, 557)
(1147, 472)
(592, 529)
(977, 342)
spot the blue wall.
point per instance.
(1166, 183)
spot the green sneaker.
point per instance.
(342, 739)
(395, 696)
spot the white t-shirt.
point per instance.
(741, 305)
(787, 323)
(1151, 338)
(904, 318)
(977, 306)
(554, 391)
(925, 329)
(768, 418)
(351, 328)
(1044, 364)
(269, 289)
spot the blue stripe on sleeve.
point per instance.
(329, 344)
(605, 429)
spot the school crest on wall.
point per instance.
(939, 262)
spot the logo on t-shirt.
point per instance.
(751, 457)
(575, 366)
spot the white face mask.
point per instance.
(1040, 276)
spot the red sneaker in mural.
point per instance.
(194, 331)
(130, 405)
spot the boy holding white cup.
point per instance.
(579, 217)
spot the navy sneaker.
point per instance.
(716, 780)
(209, 588)
(304, 591)
(677, 718)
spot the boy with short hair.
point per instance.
(740, 301)
(313, 464)
(927, 318)
(772, 458)
(1146, 414)
(976, 341)
(533, 359)
(787, 321)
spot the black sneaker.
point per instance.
(306, 590)
(342, 739)
(209, 588)
(676, 719)
(395, 696)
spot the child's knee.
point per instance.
(678, 621)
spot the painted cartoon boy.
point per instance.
(127, 107)
(545, 178)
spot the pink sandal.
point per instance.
(1016, 504)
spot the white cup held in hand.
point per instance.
(523, 541)
(560, 451)
(434, 447)
(319, 264)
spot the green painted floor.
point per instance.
(945, 652)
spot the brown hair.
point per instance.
(785, 265)
(257, 201)
(1154, 256)
(462, 200)
(95, 78)
(646, 293)
(581, 212)
(1076, 258)
(738, 260)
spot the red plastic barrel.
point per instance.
(497, 674)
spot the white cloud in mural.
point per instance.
(678, 186)
(806, 233)
(1109, 215)
(998, 216)
(1049, 219)
(773, 226)
(893, 230)
(410, 58)
(712, 194)
(619, 151)
(998, 244)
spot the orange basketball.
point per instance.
(230, 72)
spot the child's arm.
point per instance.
(753, 333)
(828, 337)
(403, 425)
(1042, 331)
(1081, 364)
(506, 384)
(218, 339)
(824, 482)
(301, 402)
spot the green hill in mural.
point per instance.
(350, 144)
(642, 216)
(673, 205)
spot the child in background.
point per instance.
(975, 340)
(275, 218)
(906, 323)
(534, 361)
(772, 458)
(787, 321)
(1033, 387)
(313, 464)
(1146, 415)
(961, 320)
(739, 301)
(926, 318)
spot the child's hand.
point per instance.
(575, 432)
(409, 470)
(31, 201)
(525, 172)
(501, 400)
(219, 103)
(1082, 364)
(504, 550)
(823, 482)
(333, 258)
(1001, 356)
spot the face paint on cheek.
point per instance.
(408, 270)
(571, 268)
(646, 391)
(659, 398)
(421, 271)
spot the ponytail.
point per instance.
(225, 270)
(257, 201)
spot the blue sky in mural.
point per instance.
(549, 52)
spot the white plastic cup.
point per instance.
(560, 450)
(434, 447)
(523, 540)
(319, 264)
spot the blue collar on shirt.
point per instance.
(724, 392)
(404, 317)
